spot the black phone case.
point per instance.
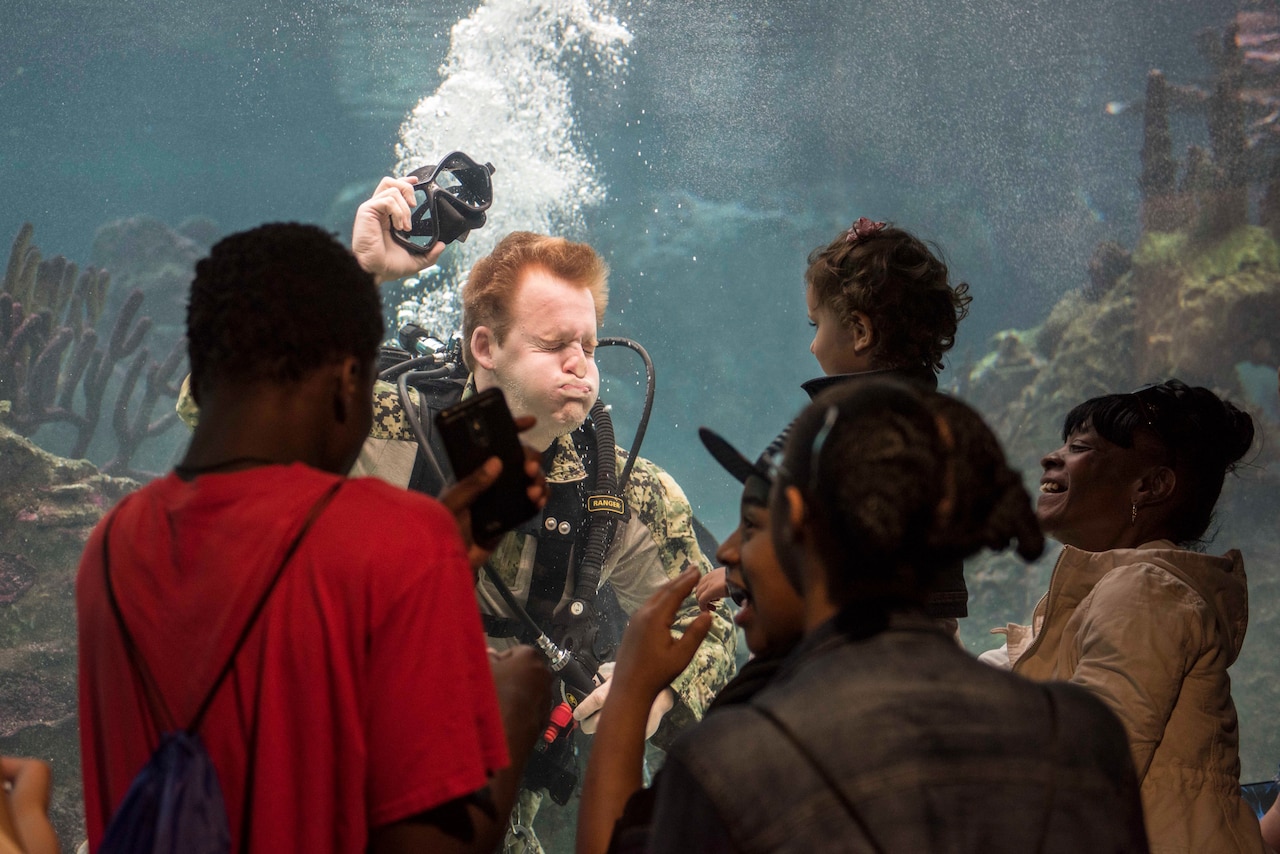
(474, 430)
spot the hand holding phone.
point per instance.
(474, 430)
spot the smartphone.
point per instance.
(474, 430)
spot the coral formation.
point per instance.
(49, 350)
(1110, 261)
(47, 508)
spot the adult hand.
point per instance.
(711, 588)
(459, 497)
(523, 680)
(390, 206)
(24, 807)
(650, 657)
(587, 714)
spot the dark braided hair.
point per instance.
(893, 278)
(905, 481)
(1201, 435)
(275, 302)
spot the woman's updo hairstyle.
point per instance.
(900, 482)
(1202, 435)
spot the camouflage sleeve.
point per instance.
(389, 421)
(388, 453)
(188, 409)
(658, 543)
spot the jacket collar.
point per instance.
(1220, 581)
(920, 375)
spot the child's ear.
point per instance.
(863, 332)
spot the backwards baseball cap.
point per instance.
(734, 462)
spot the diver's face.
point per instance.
(546, 364)
(833, 345)
(772, 619)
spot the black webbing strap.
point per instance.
(154, 697)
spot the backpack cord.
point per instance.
(154, 696)
(822, 773)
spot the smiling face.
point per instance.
(546, 364)
(772, 619)
(1087, 491)
(834, 345)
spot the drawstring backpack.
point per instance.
(174, 804)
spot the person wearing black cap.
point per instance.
(878, 733)
(771, 616)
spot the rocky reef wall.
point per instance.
(48, 506)
(1188, 307)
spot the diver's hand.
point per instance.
(390, 206)
(587, 714)
(459, 497)
(711, 589)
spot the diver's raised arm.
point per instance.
(390, 206)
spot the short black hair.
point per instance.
(274, 302)
(903, 479)
(1202, 435)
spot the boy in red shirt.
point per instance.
(361, 711)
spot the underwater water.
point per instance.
(705, 149)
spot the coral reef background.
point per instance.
(735, 140)
(58, 379)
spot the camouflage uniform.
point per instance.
(186, 406)
(654, 545)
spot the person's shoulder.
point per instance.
(377, 495)
(382, 512)
(703, 749)
(377, 526)
(1089, 726)
(649, 482)
(1137, 575)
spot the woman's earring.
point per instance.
(1133, 517)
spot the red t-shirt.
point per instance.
(365, 684)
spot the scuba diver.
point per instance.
(616, 527)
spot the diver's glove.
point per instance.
(587, 714)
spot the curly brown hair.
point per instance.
(893, 278)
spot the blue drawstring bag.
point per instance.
(173, 804)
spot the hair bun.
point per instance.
(1238, 433)
(1215, 430)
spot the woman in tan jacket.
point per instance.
(1134, 616)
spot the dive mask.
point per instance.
(452, 197)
